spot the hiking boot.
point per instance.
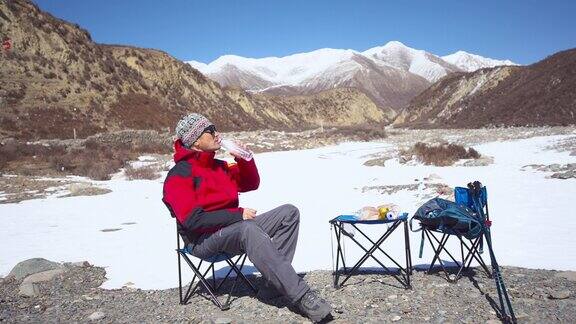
(313, 306)
(268, 292)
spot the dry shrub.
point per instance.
(102, 155)
(358, 132)
(99, 171)
(62, 163)
(97, 162)
(21, 151)
(100, 163)
(443, 154)
(153, 147)
(7, 154)
(3, 161)
(137, 141)
(142, 173)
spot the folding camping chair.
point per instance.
(474, 197)
(471, 246)
(211, 287)
(338, 224)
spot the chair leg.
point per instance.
(339, 254)
(444, 236)
(211, 267)
(239, 274)
(191, 287)
(227, 274)
(408, 255)
(437, 250)
(204, 283)
(179, 278)
(466, 258)
(210, 285)
(473, 253)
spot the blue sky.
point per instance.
(524, 31)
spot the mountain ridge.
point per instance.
(310, 72)
(535, 95)
(57, 83)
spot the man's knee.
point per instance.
(292, 213)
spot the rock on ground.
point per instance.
(31, 266)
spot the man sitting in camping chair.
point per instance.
(202, 193)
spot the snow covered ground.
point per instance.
(534, 222)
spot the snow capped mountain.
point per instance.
(472, 62)
(289, 70)
(418, 62)
(198, 65)
(391, 74)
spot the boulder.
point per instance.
(31, 266)
(29, 289)
(43, 276)
(29, 286)
(569, 275)
(561, 294)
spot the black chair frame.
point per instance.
(468, 252)
(211, 287)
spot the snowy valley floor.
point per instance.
(129, 233)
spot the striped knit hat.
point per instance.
(190, 128)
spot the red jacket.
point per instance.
(202, 192)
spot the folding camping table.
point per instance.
(338, 224)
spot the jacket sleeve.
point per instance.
(245, 174)
(182, 201)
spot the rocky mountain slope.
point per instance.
(56, 82)
(391, 74)
(543, 93)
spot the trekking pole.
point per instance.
(500, 286)
(507, 313)
(475, 189)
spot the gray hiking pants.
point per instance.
(269, 240)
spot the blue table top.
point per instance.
(352, 219)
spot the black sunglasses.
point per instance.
(210, 129)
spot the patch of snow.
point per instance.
(146, 158)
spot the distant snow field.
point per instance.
(130, 233)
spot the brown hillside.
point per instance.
(540, 94)
(55, 80)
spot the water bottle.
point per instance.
(235, 149)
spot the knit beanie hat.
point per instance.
(190, 128)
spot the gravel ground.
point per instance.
(538, 296)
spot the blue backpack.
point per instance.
(448, 217)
